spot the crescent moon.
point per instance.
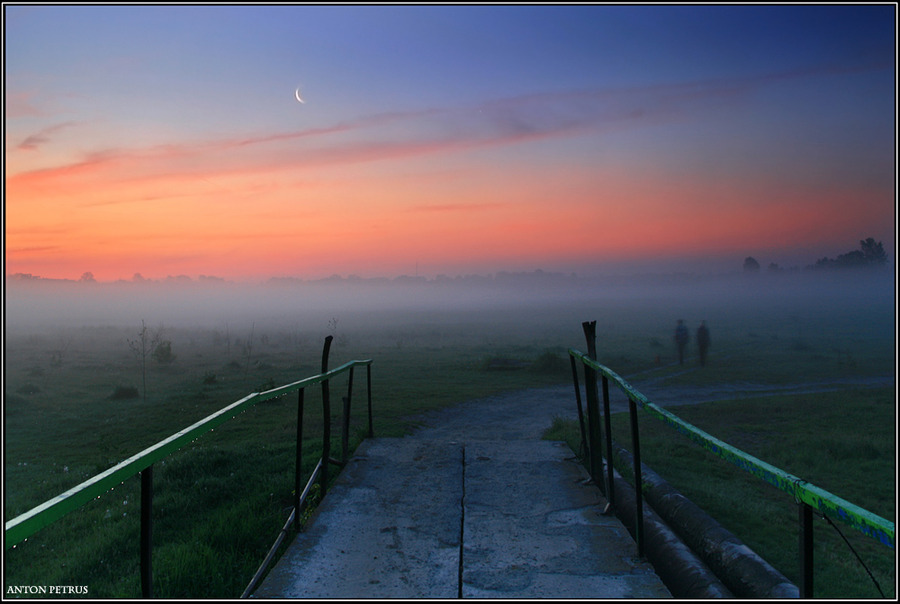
(298, 97)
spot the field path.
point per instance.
(527, 413)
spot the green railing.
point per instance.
(25, 525)
(808, 495)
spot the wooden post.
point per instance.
(298, 465)
(345, 425)
(806, 551)
(147, 532)
(593, 404)
(326, 419)
(585, 451)
(610, 484)
(369, 396)
(638, 482)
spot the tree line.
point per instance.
(870, 254)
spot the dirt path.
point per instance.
(525, 414)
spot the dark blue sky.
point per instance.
(464, 138)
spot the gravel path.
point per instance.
(526, 414)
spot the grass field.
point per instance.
(806, 435)
(219, 503)
(75, 405)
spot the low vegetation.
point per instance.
(221, 501)
(842, 441)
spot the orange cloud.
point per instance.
(337, 196)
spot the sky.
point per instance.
(169, 140)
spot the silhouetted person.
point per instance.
(703, 341)
(681, 339)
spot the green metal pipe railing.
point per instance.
(27, 524)
(808, 495)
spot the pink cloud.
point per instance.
(389, 136)
(42, 137)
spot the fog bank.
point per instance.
(34, 306)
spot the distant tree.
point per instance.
(160, 347)
(162, 352)
(774, 268)
(873, 252)
(870, 254)
(249, 348)
(851, 259)
(88, 277)
(141, 348)
(751, 265)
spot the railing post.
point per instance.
(326, 419)
(610, 484)
(147, 532)
(369, 396)
(298, 465)
(584, 447)
(593, 411)
(638, 482)
(806, 550)
(345, 424)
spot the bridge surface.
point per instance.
(473, 505)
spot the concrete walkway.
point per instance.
(472, 505)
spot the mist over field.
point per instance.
(863, 299)
(235, 156)
(80, 396)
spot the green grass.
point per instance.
(843, 442)
(220, 502)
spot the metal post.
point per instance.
(610, 484)
(147, 532)
(638, 482)
(806, 550)
(345, 425)
(326, 419)
(369, 396)
(584, 448)
(298, 466)
(593, 411)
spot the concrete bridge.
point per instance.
(473, 505)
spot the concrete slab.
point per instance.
(388, 528)
(533, 528)
(422, 518)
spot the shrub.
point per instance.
(123, 393)
(163, 352)
(551, 362)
